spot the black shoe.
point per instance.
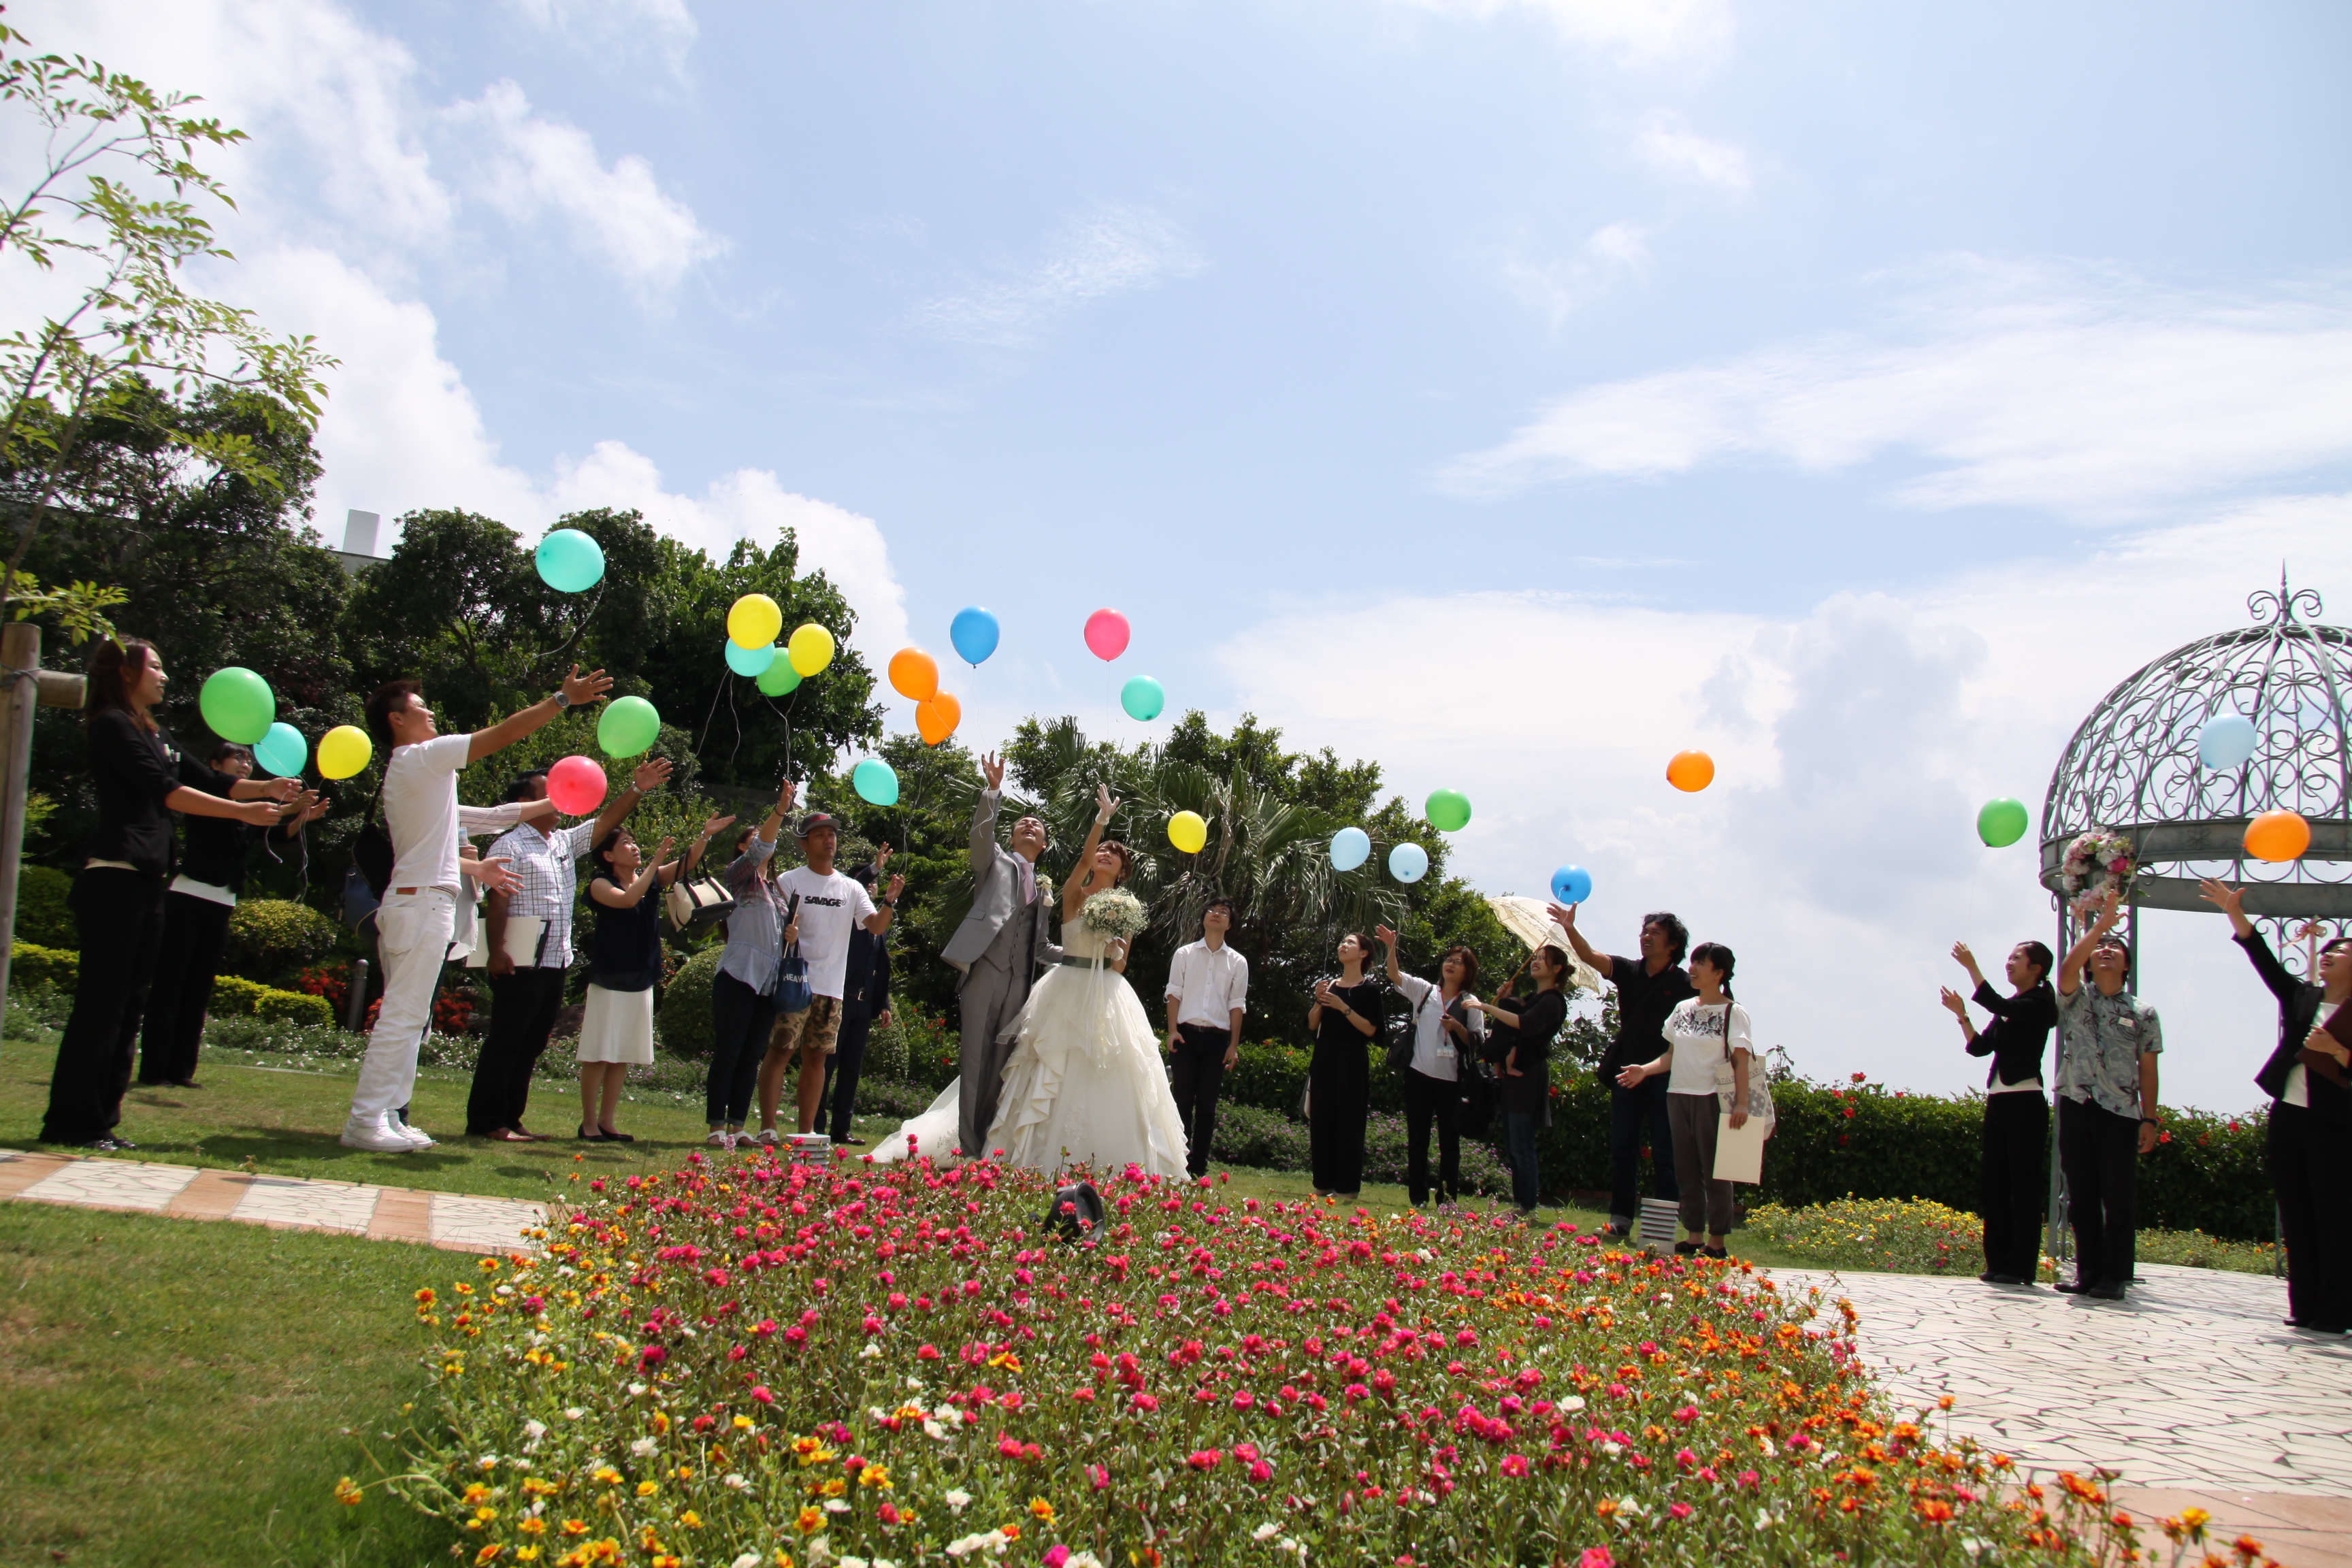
(2315, 1328)
(1997, 1277)
(1685, 1248)
(2078, 1287)
(1717, 1253)
(119, 1140)
(849, 1143)
(613, 1137)
(583, 1136)
(2105, 1290)
(1616, 1232)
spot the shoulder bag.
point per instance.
(694, 907)
(1727, 1078)
(792, 992)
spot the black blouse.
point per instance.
(1339, 1037)
(1541, 1016)
(626, 953)
(132, 769)
(2299, 1002)
(2018, 1035)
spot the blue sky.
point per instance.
(1514, 390)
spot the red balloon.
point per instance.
(1107, 634)
(576, 786)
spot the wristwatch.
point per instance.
(563, 700)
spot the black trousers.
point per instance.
(2311, 1169)
(195, 934)
(2014, 1180)
(119, 916)
(1430, 1101)
(842, 1068)
(2099, 1151)
(743, 1018)
(1339, 1103)
(1634, 1114)
(523, 1007)
(1195, 1076)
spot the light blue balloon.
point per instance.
(282, 751)
(1408, 862)
(750, 661)
(1142, 698)
(570, 562)
(1571, 884)
(974, 631)
(876, 782)
(2226, 742)
(1351, 847)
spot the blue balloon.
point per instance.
(570, 562)
(2226, 742)
(876, 782)
(1571, 884)
(1351, 847)
(750, 661)
(974, 631)
(1408, 862)
(282, 751)
(1142, 698)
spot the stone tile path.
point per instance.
(2192, 1389)
(457, 1221)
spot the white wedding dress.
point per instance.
(1084, 1085)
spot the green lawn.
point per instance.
(186, 1393)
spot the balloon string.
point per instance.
(586, 616)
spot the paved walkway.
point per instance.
(2192, 1389)
(458, 1221)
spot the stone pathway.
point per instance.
(2192, 1389)
(458, 1221)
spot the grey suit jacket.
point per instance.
(996, 894)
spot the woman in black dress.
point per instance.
(1518, 1040)
(139, 778)
(1339, 1077)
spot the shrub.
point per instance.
(235, 994)
(30, 963)
(269, 938)
(1916, 1236)
(912, 1373)
(892, 1097)
(687, 1028)
(886, 1053)
(35, 1007)
(1252, 1135)
(1269, 1075)
(42, 914)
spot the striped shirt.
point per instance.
(547, 871)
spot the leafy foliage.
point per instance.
(271, 938)
(43, 915)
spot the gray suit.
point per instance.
(998, 947)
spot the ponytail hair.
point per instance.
(1720, 957)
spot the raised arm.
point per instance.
(579, 689)
(1105, 804)
(983, 814)
(1960, 1009)
(1388, 940)
(1602, 962)
(2070, 972)
(648, 777)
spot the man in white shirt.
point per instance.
(419, 909)
(830, 905)
(1208, 993)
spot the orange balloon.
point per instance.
(937, 717)
(1690, 771)
(914, 674)
(2276, 835)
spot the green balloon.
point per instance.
(629, 725)
(1448, 810)
(237, 704)
(779, 677)
(2002, 822)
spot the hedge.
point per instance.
(687, 1028)
(43, 915)
(269, 938)
(29, 963)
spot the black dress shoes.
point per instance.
(2105, 1290)
(1998, 1279)
(2077, 1287)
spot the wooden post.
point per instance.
(24, 686)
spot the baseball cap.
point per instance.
(814, 820)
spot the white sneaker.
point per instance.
(416, 1135)
(372, 1134)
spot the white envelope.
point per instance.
(1740, 1151)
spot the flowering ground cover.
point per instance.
(1920, 1236)
(744, 1363)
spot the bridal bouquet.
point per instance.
(1115, 912)
(2096, 861)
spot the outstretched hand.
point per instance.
(1388, 938)
(1957, 1002)
(992, 768)
(1564, 913)
(2229, 901)
(1105, 802)
(650, 776)
(588, 687)
(2110, 912)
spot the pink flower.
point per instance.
(1100, 1476)
(1596, 1557)
(1144, 1402)
(1261, 1472)
(927, 1352)
(760, 1392)
(1680, 1511)
(1055, 1555)
(1515, 1466)
(1205, 1459)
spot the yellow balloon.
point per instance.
(344, 750)
(1188, 832)
(811, 650)
(754, 621)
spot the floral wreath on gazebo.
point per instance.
(2096, 862)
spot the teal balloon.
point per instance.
(237, 704)
(2002, 822)
(1142, 698)
(1351, 847)
(282, 751)
(570, 562)
(974, 631)
(1408, 862)
(876, 782)
(1449, 810)
(750, 660)
(2226, 742)
(627, 726)
(779, 677)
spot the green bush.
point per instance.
(687, 1028)
(30, 963)
(1268, 1075)
(886, 1053)
(934, 1052)
(42, 915)
(234, 994)
(269, 938)
(1252, 1135)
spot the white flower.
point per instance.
(1763, 1519)
(1083, 1560)
(534, 1430)
(505, 1291)
(735, 1480)
(993, 1543)
(933, 1429)
(644, 1447)
(637, 1391)
(835, 1505)
(748, 1560)
(1766, 1444)
(854, 1562)
(1263, 1531)
(870, 1352)
(959, 1500)
(574, 1413)
(489, 1461)
(1572, 1404)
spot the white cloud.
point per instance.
(2092, 393)
(1667, 144)
(1836, 851)
(625, 27)
(527, 165)
(1636, 31)
(1117, 248)
(1558, 286)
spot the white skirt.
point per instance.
(619, 1027)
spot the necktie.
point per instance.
(1028, 880)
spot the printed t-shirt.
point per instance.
(830, 907)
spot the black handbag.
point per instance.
(371, 851)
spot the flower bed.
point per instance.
(1923, 1237)
(745, 1362)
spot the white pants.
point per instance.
(412, 941)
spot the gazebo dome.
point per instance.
(2133, 767)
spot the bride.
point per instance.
(1084, 1084)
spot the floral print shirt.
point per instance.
(2101, 1040)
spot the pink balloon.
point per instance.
(1107, 634)
(576, 786)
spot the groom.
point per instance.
(998, 949)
